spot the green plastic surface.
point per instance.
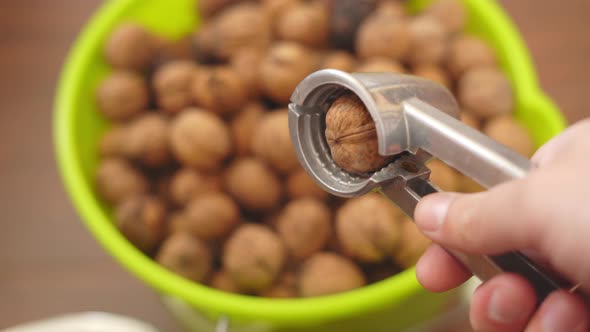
(391, 305)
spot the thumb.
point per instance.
(491, 222)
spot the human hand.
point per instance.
(545, 214)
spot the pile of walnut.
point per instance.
(198, 162)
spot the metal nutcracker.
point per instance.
(415, 121)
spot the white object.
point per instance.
(85, 322)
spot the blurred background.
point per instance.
(49, 264)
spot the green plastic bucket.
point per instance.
(391, 305)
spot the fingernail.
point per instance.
(503, 311)
(435, 212)
(560, 318)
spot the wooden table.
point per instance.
(49, 264)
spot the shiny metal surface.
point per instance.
(415, 120)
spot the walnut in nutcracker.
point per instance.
(122, 95)
(219, 89)
(172, 85)
(253, 256)
(304, 225)
(284, 66)
(117, 179)
(130, 47)
(327, 273)
(272, 143)
(199, 139)
(141, 219)
(368, 228)
(352, 136)
(186, 255)
(253, 184)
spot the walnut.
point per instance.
(433, 73)
(450, 13)
(243, 127)
(272, 143)
(352, 136)
(211, 216)
(254, 186)
(368, 228)
(413, 245)
(486, 92)
(219, 89)
(466, 53)
(188, 183)
(470, 120)
(380, 65)
(172, 85)
(146, 140)
(199, 139)
(327, 273)
(300, 185)
(222, 281)
(284, 66)
(340, 60)
(116, 180)
(445, 177)
(391, 8)
(172, 51)
(428, 40)
(383, 36)
(507, 131)
(122, 95)
(131, 47)
(246, 63)
(284, 287)
(208, 8)
(305, 23)
(112, 141)
(186, 255)
(141, 219)
(468, 185)
(239, 26)
(304, 225)
(253, 257)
